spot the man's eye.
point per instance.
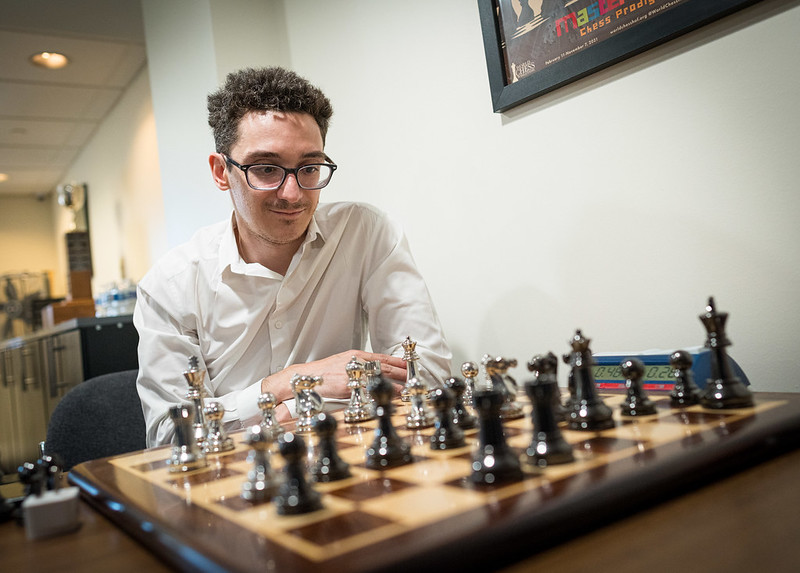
(310, 169)
(264, 169)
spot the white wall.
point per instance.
(617, 204)
(191, 46)
(121, 168)
(27, 235)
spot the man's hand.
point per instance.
(334, 375)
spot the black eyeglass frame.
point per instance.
(286, 172)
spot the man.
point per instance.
(285, 285)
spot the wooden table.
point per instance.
(746, 520)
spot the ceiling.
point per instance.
(48, 116)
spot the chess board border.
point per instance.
(573, 505)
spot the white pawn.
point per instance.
(217, 441)
(360, 408)
(269, 423)
(419, 416)
(470, 371)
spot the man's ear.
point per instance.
(219, 170)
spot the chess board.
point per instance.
(428, 515)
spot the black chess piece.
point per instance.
(587, 411)
(496, 368)
(684, 392)
(261, 484)
(33, 476)
(388, 449)
(494, 461)
(461, 416)
(548, 364)
(723, 389)
(295, 495)
(328, 466)
(447, 434)
(52, 467)
(548, 446)
(636, 402)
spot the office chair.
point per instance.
(98, 418)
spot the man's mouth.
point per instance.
(287, 209)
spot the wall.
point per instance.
(617, 204)
(27, 235)
(121, 168)
(215, 37)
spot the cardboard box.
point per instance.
(55, 313)
(80, 284)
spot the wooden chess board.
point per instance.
(428, 515)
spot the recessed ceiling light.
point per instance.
(50, 60)
(3, 177)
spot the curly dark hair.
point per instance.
(263, 89)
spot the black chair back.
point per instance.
(98, 418)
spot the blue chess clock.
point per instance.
(658, 372)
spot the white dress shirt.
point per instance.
(353, 279)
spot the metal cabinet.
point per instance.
(23, 404)
(8, 443)
(64, 366)
(36, 371)
(29, 400)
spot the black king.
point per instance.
(723, 389)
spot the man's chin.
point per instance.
(289, 234)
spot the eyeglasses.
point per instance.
(266, 177)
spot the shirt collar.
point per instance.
(229, 256)
(314, 231)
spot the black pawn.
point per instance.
(33, 477)
(548, 446)
(50, 466)
(587, 410)
(636, 402)
(329, 466)
(547, 364)
(462, 418)
(388, 450)
(261, 484)
(723, 389)
(295, 495)
(494, 462)
(684, 392)
(446, 435)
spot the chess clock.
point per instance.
(657, 372)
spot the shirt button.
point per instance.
(278, 324)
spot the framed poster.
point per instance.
(535, 46)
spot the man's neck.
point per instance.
(275, 256)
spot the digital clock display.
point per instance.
(653, 373)
(658, 374)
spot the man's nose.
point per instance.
(290, 190)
